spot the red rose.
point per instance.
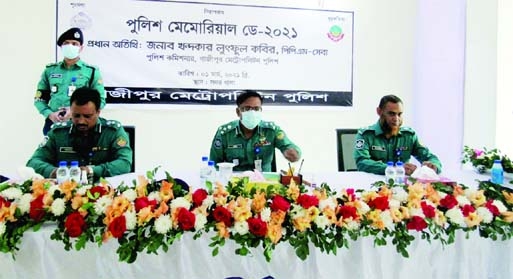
(186, 219)
(467, 209)
(428, 210)
(118, 226)
(97, 191)
(221, 214)
(307, 201)
(4, 202)
(37, 211)
(74, 224)
(280, 203)
(348, 211)
(142, 202)
(199, 196)
(257, 226)
(416, 223)
(380, 203)
(493, 209)
(448, 202)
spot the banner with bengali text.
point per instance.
(167, 52)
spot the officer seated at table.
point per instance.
(100, 146)
(388, 140)
(249, 142)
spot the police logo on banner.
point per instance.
(359, 144)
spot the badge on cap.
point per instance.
(76, 35)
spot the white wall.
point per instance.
(384, 62)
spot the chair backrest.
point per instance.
(345, 146)
(273, 163)
(130, 130)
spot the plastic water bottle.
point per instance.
(75, 172)
(212, 172)
(204, 170)
(497, 172)
(390, 172)
(400, 173)
(62, 172)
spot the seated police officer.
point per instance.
(60, 79)
(100, 146)
(388, 141)
(249, 142)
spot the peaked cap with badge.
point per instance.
(71, 34)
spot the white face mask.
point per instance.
(251, 119)
(70, 51)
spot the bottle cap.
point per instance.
(399, 164)
(497, 161)
(74, 163)
(390, 163)
(204, 158)
(211, 163)
(63, 164)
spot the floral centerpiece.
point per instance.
(151, 214)
(482, 159)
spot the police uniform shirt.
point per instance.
(230, 145)
(53, 88)
(373, 150)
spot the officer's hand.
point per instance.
(429, 164)
(291, 155)
(56, 117)
(409, 168)
(53, 174)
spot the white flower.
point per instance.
(416, 212)
(241, 227)
(484, 213)
(11, 193)
(500, 206)
(52, 189)
(180, 202)
(163, 224)
(364, 208)
(456, 216)
(24, 204)
(462, 200)
(83, 190)
(2, 228)
(58, 206)
(399, 194)
(393, 203)
(208, 201)
(352, 225)
(321, 221)
(130, 195)
(200, 222)
(386, 217)
(329, 203)
(101, 204)
(131, 219)
(297, 211)
(154, 196)
(265, 215)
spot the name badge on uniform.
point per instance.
(66, 149)
(378, 148)
(258, 165)
(233, 146)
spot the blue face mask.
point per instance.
(251, 119)
(70, 51)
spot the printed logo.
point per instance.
(335, 34)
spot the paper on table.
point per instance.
(425, 173)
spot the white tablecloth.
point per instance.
(40, 257)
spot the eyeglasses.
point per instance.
(248, 108)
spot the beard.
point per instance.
(389, 130)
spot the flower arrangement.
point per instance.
(482, 159)
(151, 214)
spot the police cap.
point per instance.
(72, 34)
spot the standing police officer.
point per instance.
(388, 141)
(249, 142)
(60, 79)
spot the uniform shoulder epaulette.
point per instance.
(407, 130)
(361, 131)
(227, 127)
(61, 125)
(51, 65)
(113, 124)
(268, 125)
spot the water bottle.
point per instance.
(204, 170)
(390, 172)
(75, 172)
(212, 172)
(400, 173)
(62, 172)
(497, 172)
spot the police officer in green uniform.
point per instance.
(101, 146)
(387, 141)
(249, 142)
(59, 80)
